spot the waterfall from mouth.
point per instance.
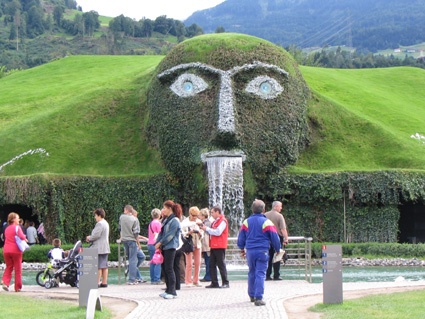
(225, 184)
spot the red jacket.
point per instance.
(10, 245)
(217, 242)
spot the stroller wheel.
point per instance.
(43, 277)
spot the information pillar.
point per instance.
(332, 274)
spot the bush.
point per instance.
(379, 250)
(37, 253)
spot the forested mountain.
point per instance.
(34, 32)
(364, 24)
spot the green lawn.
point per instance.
(44, 308)
(403, 305)
(87, 112)
(365, 119)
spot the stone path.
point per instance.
(198, 302)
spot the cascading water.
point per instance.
(225, 184)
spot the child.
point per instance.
(56, 253)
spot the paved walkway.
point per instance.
(198, 302)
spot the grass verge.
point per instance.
(46, 309)
(400, 305)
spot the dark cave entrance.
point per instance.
(23, 211)
(412, 223)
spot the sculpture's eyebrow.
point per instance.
(184, 66)
(255, 65)
(236, 69)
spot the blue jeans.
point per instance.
(140, 258)
(207, 265)
(155, 270)
(131, 251)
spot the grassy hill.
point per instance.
(366, 119)
(85, 111)
(88, 113)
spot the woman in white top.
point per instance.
(190, 228)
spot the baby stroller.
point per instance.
(68, 269)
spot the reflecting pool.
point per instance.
(238, 272)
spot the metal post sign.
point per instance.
(87, 274)
(332, 274)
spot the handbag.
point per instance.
(187, 244)
(22, 244)
(157, 258)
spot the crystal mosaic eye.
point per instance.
(264, 87)
(188, 84)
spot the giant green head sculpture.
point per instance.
(229, 94)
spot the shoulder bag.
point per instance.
(22, 244)
(187, 244)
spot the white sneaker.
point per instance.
(163, 294)
(189, 285)
(168, 296)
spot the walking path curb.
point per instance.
(198, 302)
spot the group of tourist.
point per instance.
(34, 235)
(260, 236)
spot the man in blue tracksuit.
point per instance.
(255, 236)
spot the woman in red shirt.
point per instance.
(12, 254)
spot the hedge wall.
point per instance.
(65, 203)
(326, 222)
(315, 203)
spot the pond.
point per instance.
(349, 274)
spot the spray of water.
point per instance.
(30, 152)
(225, 184)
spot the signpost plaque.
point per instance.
(332, 274)
(87, 274)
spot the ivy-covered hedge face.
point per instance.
(228, 92)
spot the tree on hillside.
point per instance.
(28, 4)
(147, 27)
(220, 30)
(78, 27)
(91, 22)
(35, 23)
(10, 9)
(193, 30)
(180, 30)
(17, 24)
(48, 23)
(163, 25)
(122, 24)
(71, 4)
(58, 15)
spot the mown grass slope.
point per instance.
(88, 113)
(85, 111)
(365, 119)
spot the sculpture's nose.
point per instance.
(226, 136)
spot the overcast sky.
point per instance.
(138, 9)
